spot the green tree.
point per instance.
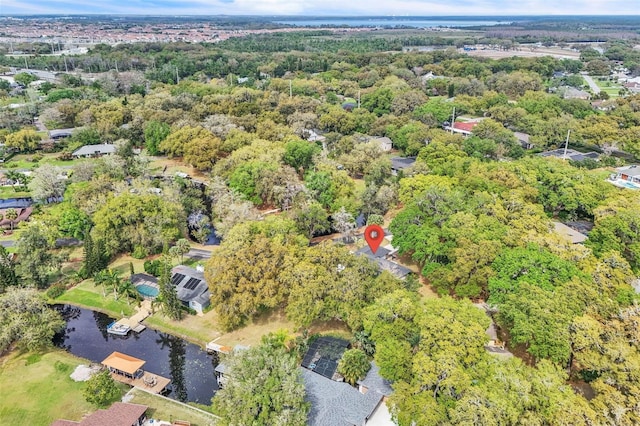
(27, 319)
(8, 277)
(311, 219)
(299, 154)
(25, 78)
(37, 255)
(168, 293)
(155, 133)
(11, 215)
(353, 365)
(264, 387)
(101, 389)
(245, 277)
(128, 221)
(23, 140)
(181, 248)
(74, 222)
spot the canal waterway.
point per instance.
(189, 367)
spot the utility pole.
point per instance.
(116, 66)
(66, 68)
(453, 118)
(290, 89)
(566, 145)
(26, 65)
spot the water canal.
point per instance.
(189, 367)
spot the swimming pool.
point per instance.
(628, 185)
(147, 290)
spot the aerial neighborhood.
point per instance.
(270, 220)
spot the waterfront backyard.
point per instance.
(37, 390)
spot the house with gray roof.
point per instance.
(373, 382)
(398, 164)
(95, 150)
(337, 403)
(570, 154)
(382, 257)
(56, 134)
(192, 289)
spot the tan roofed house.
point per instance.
(123, 363)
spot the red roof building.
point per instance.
(119, 414)
(464, 128)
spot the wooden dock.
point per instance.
(148, 381)
(135, 321)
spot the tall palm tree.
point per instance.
(100, 278)
(128, 290)
(114, 281)
(11, 215)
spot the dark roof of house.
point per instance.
(61, 133)
(386, 265)
(571, 154)
(399, 163)
(104, 148)
(380, 253)
(142, 279)
(337, 403)
(190, 284)
(374, 382)
(394, 268)
(119, 414)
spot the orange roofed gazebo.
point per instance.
(124, 364)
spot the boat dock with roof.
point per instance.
(127, 369)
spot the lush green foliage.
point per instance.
(101, 389)
(26, 319)
(264, 387)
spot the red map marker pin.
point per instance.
(374, 236)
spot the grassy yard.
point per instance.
(161, 408)
(88, 295)
(36, 389)
(24, 161)
(610, 87)
(9, 192)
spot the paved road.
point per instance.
(199, 254)
(9, 243)
(592, 84)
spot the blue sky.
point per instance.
(322, 7)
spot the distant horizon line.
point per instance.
(312, 15)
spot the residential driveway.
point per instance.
(592, 83)
(198, 254)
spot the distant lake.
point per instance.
(391, 21)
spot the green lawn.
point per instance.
(40, 392)
(161, 408)
(610, 87)
(87, 295)
(9, 192)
